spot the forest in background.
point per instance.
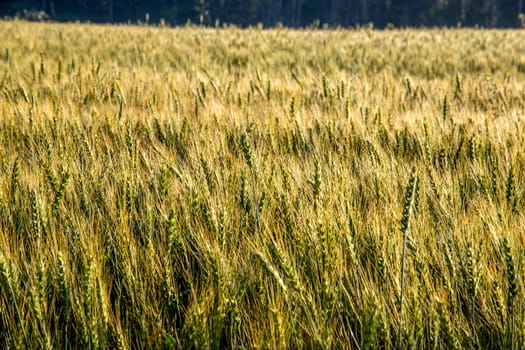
(293, 13)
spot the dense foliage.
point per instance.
(225, 188)
(382, 13)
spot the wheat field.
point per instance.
(213, 188)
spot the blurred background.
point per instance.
(292, 13)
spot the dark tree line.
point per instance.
(382, 13)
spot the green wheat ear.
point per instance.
(326, 91)
(471, 273)
(63, 286)
(246, 149)
(448, 328)
(512, 285)
(8, 285)
(410, 200)
(15, 176)
(36, 220)
(510, 191)
(292, 107)
(316, 184)
(445, 108)
(60, 192)
(409, 204)
(59, 70)
(458, 88)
